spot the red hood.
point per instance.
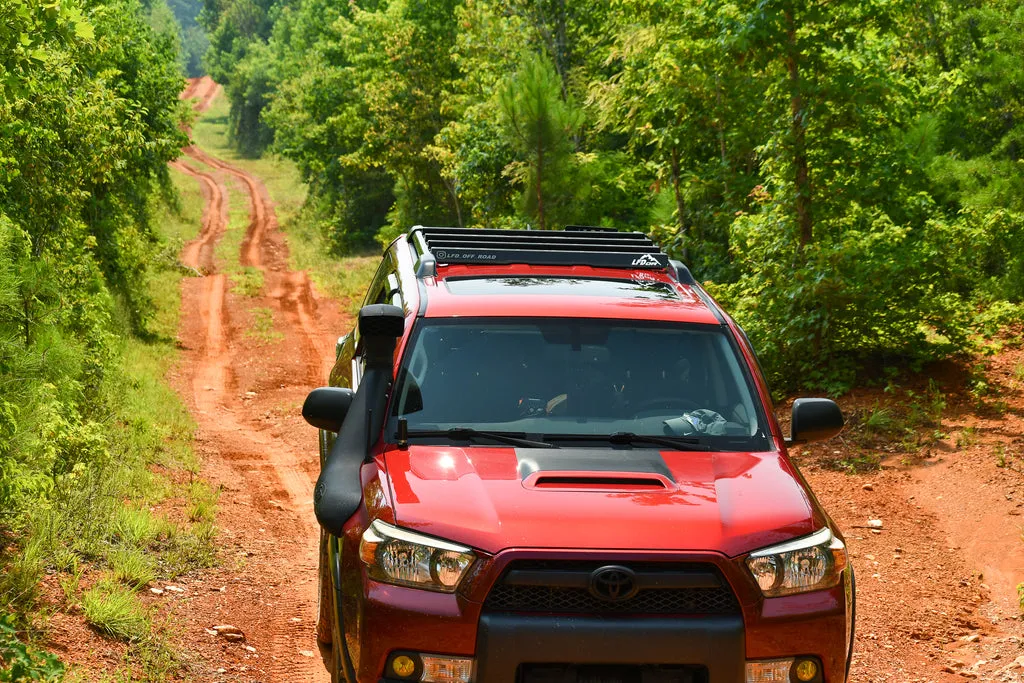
(726, 502)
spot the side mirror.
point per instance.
(380, 325)
(325, 408)
(815, 419)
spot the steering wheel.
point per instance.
(662, 402)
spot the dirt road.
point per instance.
(937, 583)
(245, 389)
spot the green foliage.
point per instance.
(192, 37)
(20, 663)
(90, 116)
(846, 178)
(541, 125)
(131, 567)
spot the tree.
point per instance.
(541, 125)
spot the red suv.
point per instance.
(550, 457)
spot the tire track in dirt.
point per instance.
(262, 217)
(198, 254)
(204, 88)
(244, 390)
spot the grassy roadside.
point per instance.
(131, 519)
(344, 279)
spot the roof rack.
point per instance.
(574, 246)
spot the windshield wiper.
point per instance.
(470, 434)
(626, 438)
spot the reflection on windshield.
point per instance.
(554, 376)
(637, 288)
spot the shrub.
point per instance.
(20, 662)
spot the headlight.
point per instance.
(402, 557)
(807, 564)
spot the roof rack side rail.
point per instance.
(683, 273)
(426, 264)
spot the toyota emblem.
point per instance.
(613, 583)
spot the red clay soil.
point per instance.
(936, 584)
(245, 390)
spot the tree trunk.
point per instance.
(680, 204)
(450, 186)
(798, 131)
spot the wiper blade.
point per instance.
(470, 434)
(626, 438)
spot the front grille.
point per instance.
(564, 587)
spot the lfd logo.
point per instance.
(646, 260)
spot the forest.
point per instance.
(845, 177)
(89, 119)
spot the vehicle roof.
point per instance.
(519, 290)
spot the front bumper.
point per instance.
(505, 641)
(381, 619)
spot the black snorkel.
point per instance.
(339, 490)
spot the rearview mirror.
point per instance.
(325, 408)
(380, 325)
(815, 419)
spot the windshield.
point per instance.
(558, 378)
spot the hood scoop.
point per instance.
(580, 469)
(597, 481)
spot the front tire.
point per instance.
(338, 669)
(325, 601)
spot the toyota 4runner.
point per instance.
(551, 457)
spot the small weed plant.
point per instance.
(248, 282)
(115, 611)
(263, 326)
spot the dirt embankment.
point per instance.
(937, 583)
(248, 363)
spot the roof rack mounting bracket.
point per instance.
(426, 264)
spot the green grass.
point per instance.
(139, 527)
(179, 225)
(115, 611)
(247, 281)
(1018, 372)
(132, 567)
(262, 328)
(202, 502)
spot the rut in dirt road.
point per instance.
(198, 254)
(244, 391)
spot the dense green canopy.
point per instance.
(89, 118)
(845, 175)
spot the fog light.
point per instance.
(769, 671)
(403, 666)
(806, 670)
(437, 669)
